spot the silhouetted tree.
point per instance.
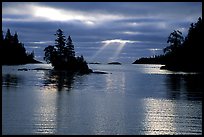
(70, 47)
(193, 44)
(13, 52)
(15, 38)
(175, 40)
(62, 55)
(60, 41)
(8, 35)
(31, 55)
(50, 54)
(182, 54)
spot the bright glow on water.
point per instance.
(115, 83)
(170, 118)
(159, 117)
(129, 100)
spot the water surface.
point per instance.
(130, 99)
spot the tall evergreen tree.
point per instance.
(60, 41)
(70, 47)
(15, 38)
(8, 35)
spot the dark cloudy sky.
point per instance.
(101, 31)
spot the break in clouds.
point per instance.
(101, 31)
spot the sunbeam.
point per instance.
(115, 56)
(118, 43)
(99, 51)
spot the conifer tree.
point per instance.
(8, 35)
(60, 41)
(70, 47)
(15, 38)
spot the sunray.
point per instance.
(99, 51)
(120, 47)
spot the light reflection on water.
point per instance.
(115, 83)
(170, 118)
(159, 117)
(45, 112)
(127, 100)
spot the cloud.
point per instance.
(36, 12)
(120, 41)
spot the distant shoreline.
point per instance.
(33, 61)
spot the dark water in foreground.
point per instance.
(130, 99)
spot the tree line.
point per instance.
(13, 52)
(182, 54)
(61, 55)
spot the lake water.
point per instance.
(130, 99)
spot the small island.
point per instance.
(13, 52)
(114, 63)
(62, 55)
(94, 63)
(182, 54)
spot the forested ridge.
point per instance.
(182, 54)
(13, 51)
